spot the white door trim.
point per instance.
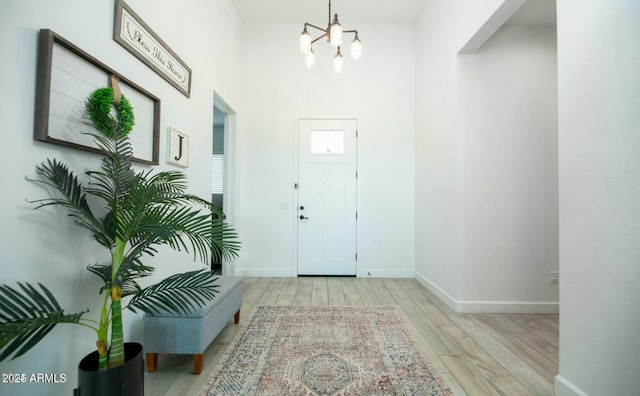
(229, 197)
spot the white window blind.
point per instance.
(217, 174)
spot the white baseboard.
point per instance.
(266, 272)
(288, 272)
(376, 273)
(566, 388)
(533, 307)
(488, 306)
(435, 289)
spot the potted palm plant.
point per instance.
(138, 211)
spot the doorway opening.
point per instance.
(222, 166)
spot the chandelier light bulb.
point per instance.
(356, 48)
(337, 62)
(335, 32)
(305, 41)
(310, 59)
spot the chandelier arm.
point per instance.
(324, 35)
(315, 27)
(350, 31)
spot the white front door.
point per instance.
(326, 212)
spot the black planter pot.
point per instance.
(125, 380)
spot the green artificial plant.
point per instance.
(138, 212)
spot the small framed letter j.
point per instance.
(178, 148)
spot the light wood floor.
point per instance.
(476, 354)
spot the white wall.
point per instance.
(508, 171)
(436, 149)
(43, 246)
(599, 142)
(486, 161)
(377, 90)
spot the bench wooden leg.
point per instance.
(197, 363)
(236, 317)
(152, 362)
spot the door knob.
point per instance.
(302, 217)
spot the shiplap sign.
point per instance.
(66, 78)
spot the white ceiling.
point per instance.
(349, 12)
(352, 12)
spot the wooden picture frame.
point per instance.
(66, 76)
(130, 31)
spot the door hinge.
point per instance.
(356, 133)
(356, 174)
(356, 256)
(356, 215)
(295, 185)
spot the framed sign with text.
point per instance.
(177, 148)
(138, 38)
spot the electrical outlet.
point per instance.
(554, 277)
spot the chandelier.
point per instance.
(333, 33)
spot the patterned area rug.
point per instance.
(324, 351)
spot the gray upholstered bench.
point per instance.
(191, 334)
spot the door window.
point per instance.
(327, 142)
